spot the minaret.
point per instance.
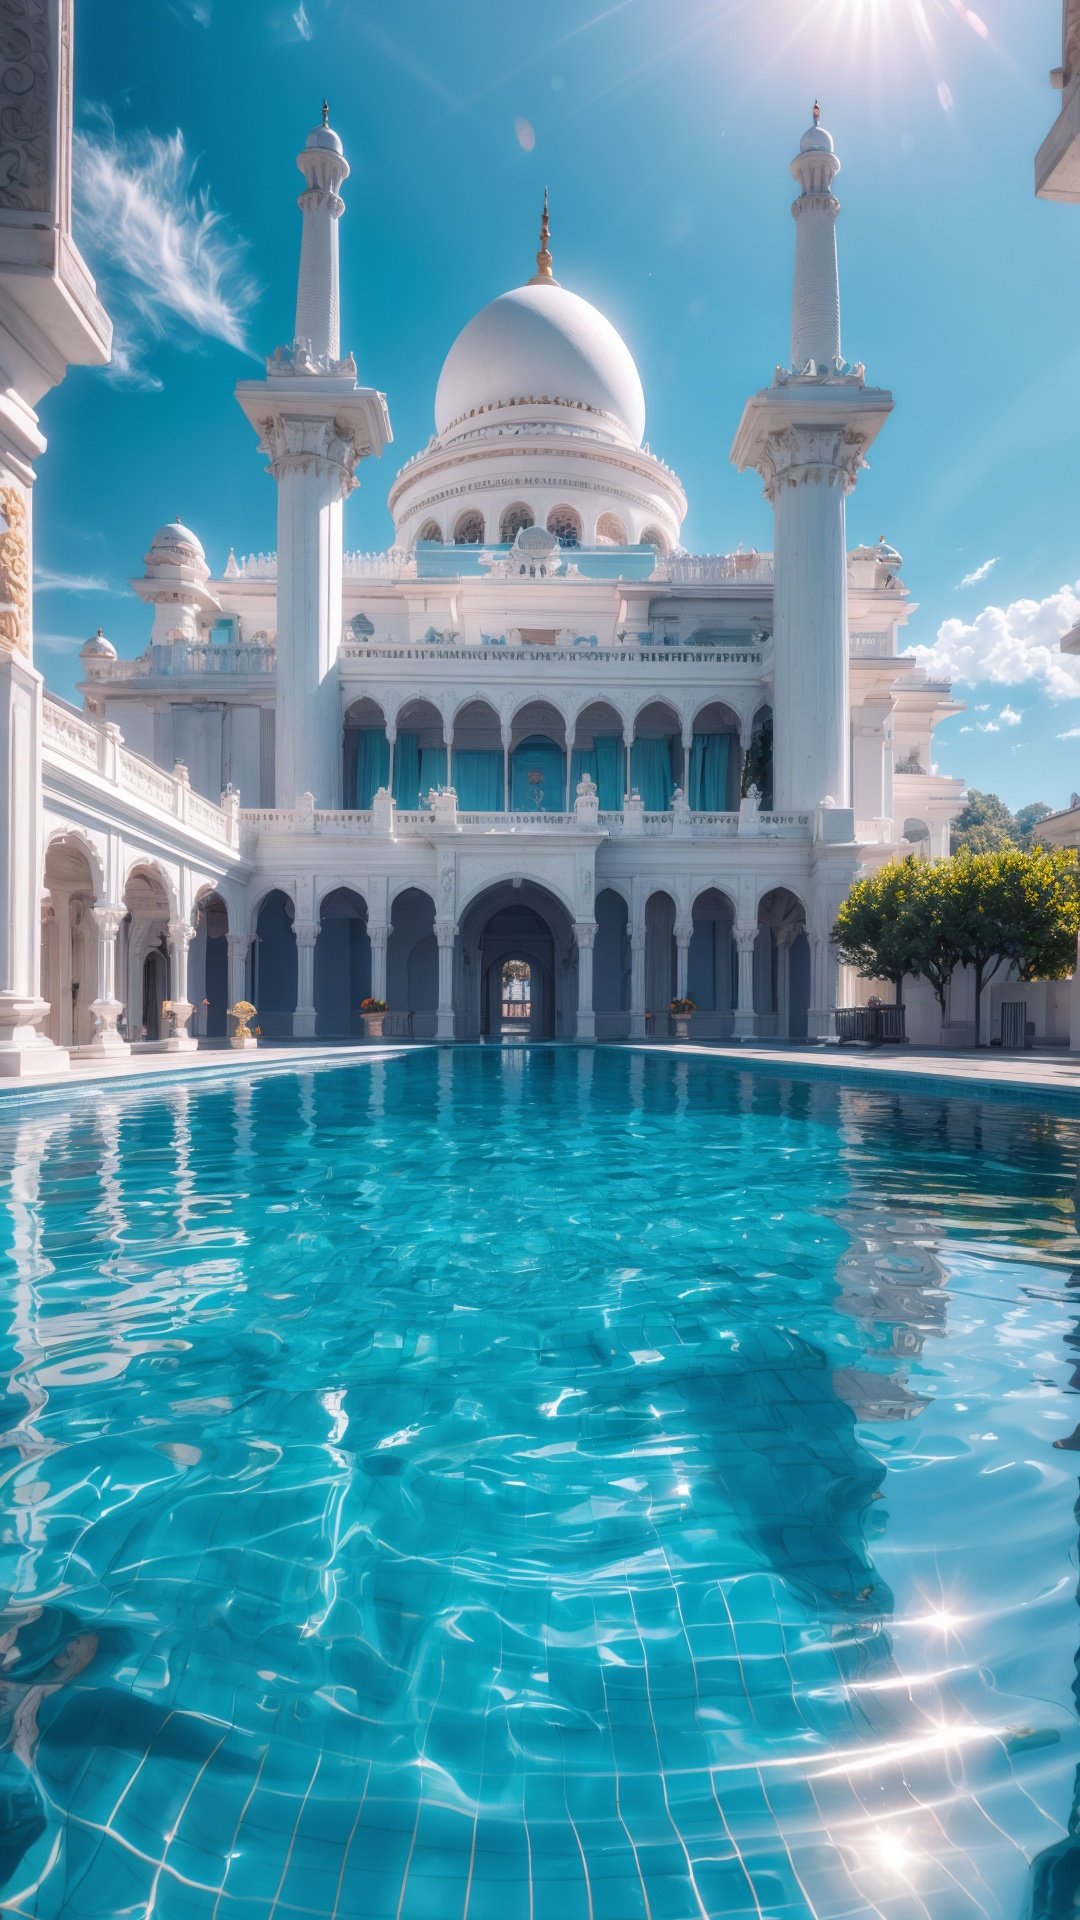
(808, 435)
(815, 318)
(316, 424)
(318, 296)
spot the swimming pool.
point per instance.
(538, 1485)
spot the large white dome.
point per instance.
(540, 343)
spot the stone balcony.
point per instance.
(384, 820)
(98, 751)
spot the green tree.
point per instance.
(875, 930)
(1027, 822)
(1013, 908)
(985, 825)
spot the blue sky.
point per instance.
(664, 132)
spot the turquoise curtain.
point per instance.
(432, 769)
(542, 756)
(604, 762)
(650, 773)
(372, 764)
(478, 779)
(407, 771)
(709, 772)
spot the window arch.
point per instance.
(432, 531)
(652, 537)
(469, 531)
(610, 530)
(565, 524)
(514, 521)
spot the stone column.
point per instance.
(628, 742)
(378, 936)
(783, 982)
(307, 933)
(745, 1021)
(239, 945)
(684, 933)
(637, 983)
(391, 740)
(824, 982)
(571, 737)
(106, 1009)
(506, 768)
(446, 932)
(585, 935)
(180, 936)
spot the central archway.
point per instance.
(523, 923)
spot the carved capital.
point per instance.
(298, 443)
(799, 456)
(746, 939)
(306, 931)
(378, 937)
(180, 934)
(585, 932)
(109, 920)
(446, 932)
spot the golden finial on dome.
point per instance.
(543, 277)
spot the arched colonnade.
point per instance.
(530, 758)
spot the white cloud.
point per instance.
(984, 708)
(1071, 733)
(1009, 716)
(51, 580)
(1011, 646)
(302, 24)
(979, 573)
(988, 726)
(169, 269)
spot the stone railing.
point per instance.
(684, 569)
(100, 750)
(607, 659)
(421, 823)
(718, 569)
(188, 657)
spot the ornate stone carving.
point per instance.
(833, 456)
(14, 571)
(302, 442)
(25, 148)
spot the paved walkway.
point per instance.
(1036, 1078)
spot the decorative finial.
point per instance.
(817, 112)
(325, 114)
(543, 277)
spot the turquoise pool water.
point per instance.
(538, 1485)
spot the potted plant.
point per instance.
(374, 1013)
(682, 1012)
(242, 1035)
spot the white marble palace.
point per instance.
(535, 729)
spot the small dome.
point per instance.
(888, 554)
(176, 546)
(541, 343)
(816, 140)
(97, 648)
(324, 137)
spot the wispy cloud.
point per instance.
(1071, 733)
(1009, 717)
(977, 574)
(169, 268)
(51, 580)
(1011, 646)
(302, 22)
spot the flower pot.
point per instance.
(243, 1040)
(373, 1025)
(682, 1025)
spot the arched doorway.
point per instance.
(342, 966)
(69, 971)
(523, 923)
(661, 965)
(517, 1000)
(208, 968)
(611, 966)
(149, 907)
(782, 967)
(274, 972)
(712, 976)
(412, 961)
